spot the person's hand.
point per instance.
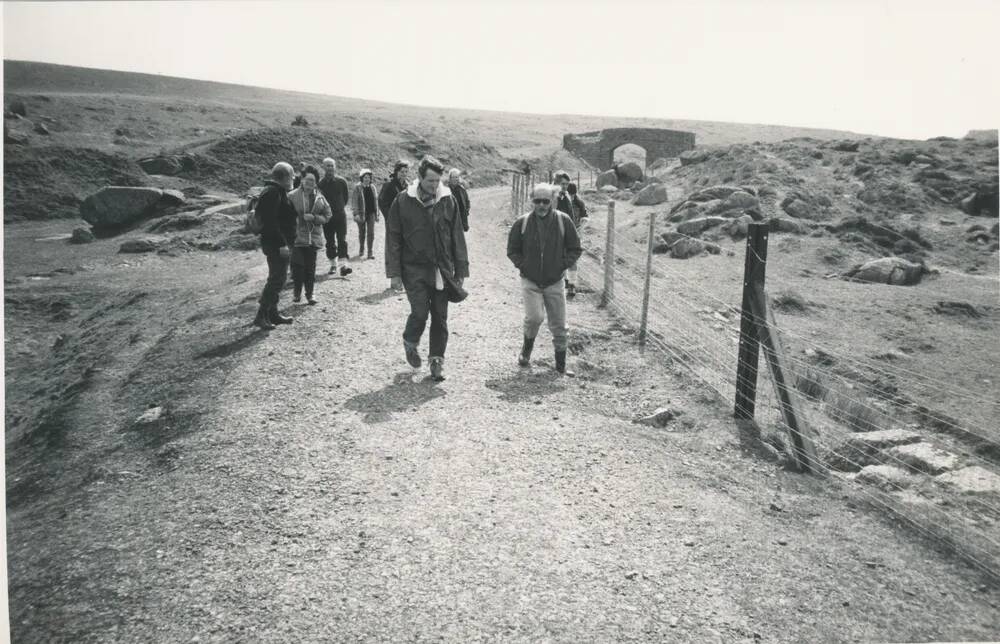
(461, 281)
(285, 252)
(396, 283)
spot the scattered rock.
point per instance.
(888, 270)
(972, 480)
(13, 138)
(151, 415)
(141, 245)
(866, 448)
(846, 146)
(607, 178)
(693, 157)
(782, 225)
(741, 200)
(609, 189)
(924, 457)
(687, 247)
(172, 198)
(712, 192)
(169, 165)
(739, 228)
(671, 237)
(695, 226)
(887, 477)
(182, 221)
(41, 129)
(122, 140)
(660, 418)
(982, 202)
(18, 107)
(81, 235)
(651, 195)
(117, 206)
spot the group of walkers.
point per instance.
(426, 220)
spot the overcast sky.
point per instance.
(910, 68)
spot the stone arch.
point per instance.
(628, 154)
(598, 148)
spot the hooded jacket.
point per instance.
(277, 217)
(430, 237)
(541, 253)
(309, 233)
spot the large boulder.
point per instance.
(796, 208)
(141, 245)
(81, 235)
(629, 173)
(172, 198)
(846, 146)
(695, 226)
(712, 192)
(782, 225)
(740, 227)
(651, 195)
(693, 157)
(888, 270)
(741, 200)
(165, 164)
(117, 206)
(13, 137)
(607, 178)
(983, 202)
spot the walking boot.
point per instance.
(524, 359)
(561, 363)
(333, 267)
(277, 318)
(262, 320)
(437, 369)
(345, 270)
(312, 301)
(570, 290)
(412, 356)
(297, 295)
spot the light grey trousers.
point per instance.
(542, 303)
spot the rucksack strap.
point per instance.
(559, 220)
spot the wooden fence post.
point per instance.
(804, 451)
(746, 367)
(645, 289)
(609, 258)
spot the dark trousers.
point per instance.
(304, 270)
(424, 301)
(277, 274)
(335, 231)
(366, 232)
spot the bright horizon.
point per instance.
(901, 69)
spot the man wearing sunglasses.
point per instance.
(543, 244)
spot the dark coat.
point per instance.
(336, 193)
(579, 209)
(462, 198)
(541, 253)
(565, 204)
(387, 194)
(278, 216)
(421, 239)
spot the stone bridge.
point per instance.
(598, 148)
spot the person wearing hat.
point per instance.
(366, 212)
(564, 204)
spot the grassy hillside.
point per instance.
(129, 116)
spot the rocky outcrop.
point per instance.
(629, 173)
(119, 206)
(652, 195)
(607, 178)
(888, 270)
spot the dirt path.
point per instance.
(325, 491)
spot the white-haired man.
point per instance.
(335, 191)
(277, 238)
(461, 195)
(542, 245)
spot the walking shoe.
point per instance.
(333, 268)
(412, 356)
(437, 369)
(312, 301)
(278, 318)
(561, 364)
(345, 271)
(524, 359)
(370, 256)
(262, 321)
(297, 298)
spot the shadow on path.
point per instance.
(227, 349)
(375, 298)
(527, 385)
(404, 394)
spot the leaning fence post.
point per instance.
(609, 258)
(746, 366)
(649, 273)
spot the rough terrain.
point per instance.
(306, 485)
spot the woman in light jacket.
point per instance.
(313, 211)
(364, 205)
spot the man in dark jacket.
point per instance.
(425, 253)
(543, 244)
(277, 238)
(397, 183)
(564, 204)
(461, 195)
(335, 191)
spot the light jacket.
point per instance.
(541, 253)
(425, 238)
(309, 233)
(358, 201)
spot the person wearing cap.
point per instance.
(564, 204)
(542, 245)
(335, 191)
(461, 195)
(364, 205)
